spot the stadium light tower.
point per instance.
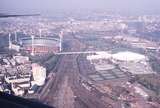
(40, 33)
(32, 52)
(61, 39)
(10, 43)
(15, 34)
(123, 27)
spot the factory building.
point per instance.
(39, 74)
(40, 45)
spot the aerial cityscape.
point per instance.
(92, 59)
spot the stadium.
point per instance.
(40, 45)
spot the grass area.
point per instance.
(154, 63)
(51, 63)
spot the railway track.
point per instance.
(66, 90)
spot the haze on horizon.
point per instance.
(150, 6)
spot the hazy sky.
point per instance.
(43, 5)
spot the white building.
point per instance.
(24, 84)
(128, 56)
(21, 59)
(15, 79)
(18, 91)
(128, 62)
(39, 74)
(14, 47)
(141, 92)
(120, 56)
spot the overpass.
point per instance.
(79, 52)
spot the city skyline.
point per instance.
(136, 6)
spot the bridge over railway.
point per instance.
(79, 52)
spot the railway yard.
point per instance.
(66, 90)
(75, 83)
